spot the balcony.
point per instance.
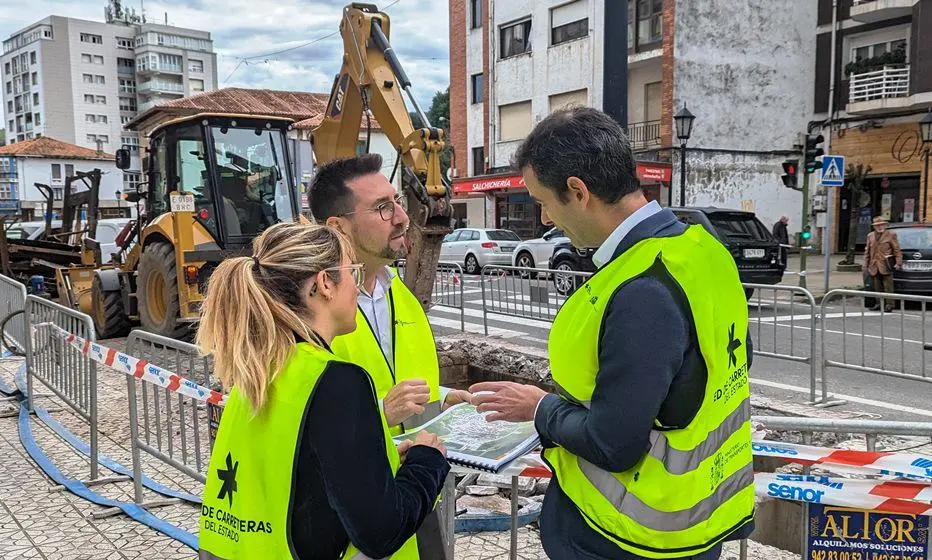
(156, 68)
(644, 135)
(156, 87)
(871, 11)
(881, 90)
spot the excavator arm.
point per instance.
(371, 80)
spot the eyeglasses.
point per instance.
(356, 271)
(386, 209)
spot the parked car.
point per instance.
(476, 248)
(107, 231)
(536, 253)
(757, 253)
(566, 259)
(915, 276)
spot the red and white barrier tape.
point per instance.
(904, 465)
(140, 369)
(884, 496)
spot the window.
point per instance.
(93, 39)
(38, 119)
(88, 78)
(195, 65)
(127, 86)
(879, 49)
(131, 143)
(126, 65)
(35, 79)
(32, 57)
(91, 138)
(9, 87)
(131, 181)
(88, 118)
(98, 59)
(196, 85)
(631, 24)
(124, 43)
(102, 119)
(127, 103)
(514, 121)
(86, 58)
(650, 21)
(9, 106)
(99, 79)
(89, 99)
(69, 170)
(516, 39)
(56, 172)
(478, 92)
(475, 14)
(100, 99)
(578, 98)
(103, 138)
(569, 21)
(10, 124)
(478, 161)
(125, 120)
(6, 68)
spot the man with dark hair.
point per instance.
(649, 435)
(393, 340)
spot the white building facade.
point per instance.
(80, 81)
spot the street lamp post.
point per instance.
(119, 197)
(925, 132)
(684, 127)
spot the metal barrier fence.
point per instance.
(531, 293)
(789, 335)
(870, 428)
(175, 427)
(12, 313)
(886, 348)
(63, 369)
(448, 289)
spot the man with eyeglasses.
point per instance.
(393, 340)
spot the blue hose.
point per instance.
(78, 488)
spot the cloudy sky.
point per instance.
(245, 32)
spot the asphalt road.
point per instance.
(521, 311)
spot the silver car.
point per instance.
(476, 248)
(108, 229)
(536, 253)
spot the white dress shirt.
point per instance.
(605, 251)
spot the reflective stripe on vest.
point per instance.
(694, 486)
(414, 349)
(250, 479)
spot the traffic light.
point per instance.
(813, 151)
(804, 236)
(790, 173)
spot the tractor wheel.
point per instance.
(157, 292)
(110, 320)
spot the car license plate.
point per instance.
(754, 253)
(507, 249)
(917, 266)
(182, 203)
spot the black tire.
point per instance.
(472, 265)
(524, 260)
(564, 284)
(110, 319)
(157, 265)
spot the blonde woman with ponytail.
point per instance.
(303, 466)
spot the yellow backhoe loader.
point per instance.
(213, 183)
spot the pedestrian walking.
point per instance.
(304, 465)
(649, 435)
(882, 255)
(780, 231)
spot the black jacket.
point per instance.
(781, 233)
(650, 368)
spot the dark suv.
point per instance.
(758, 255)
(915, 276)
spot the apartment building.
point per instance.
(512, 63)
(80, 81)
(882, 89)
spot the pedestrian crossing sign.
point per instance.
(833, 171)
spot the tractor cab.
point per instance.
(233, 172)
